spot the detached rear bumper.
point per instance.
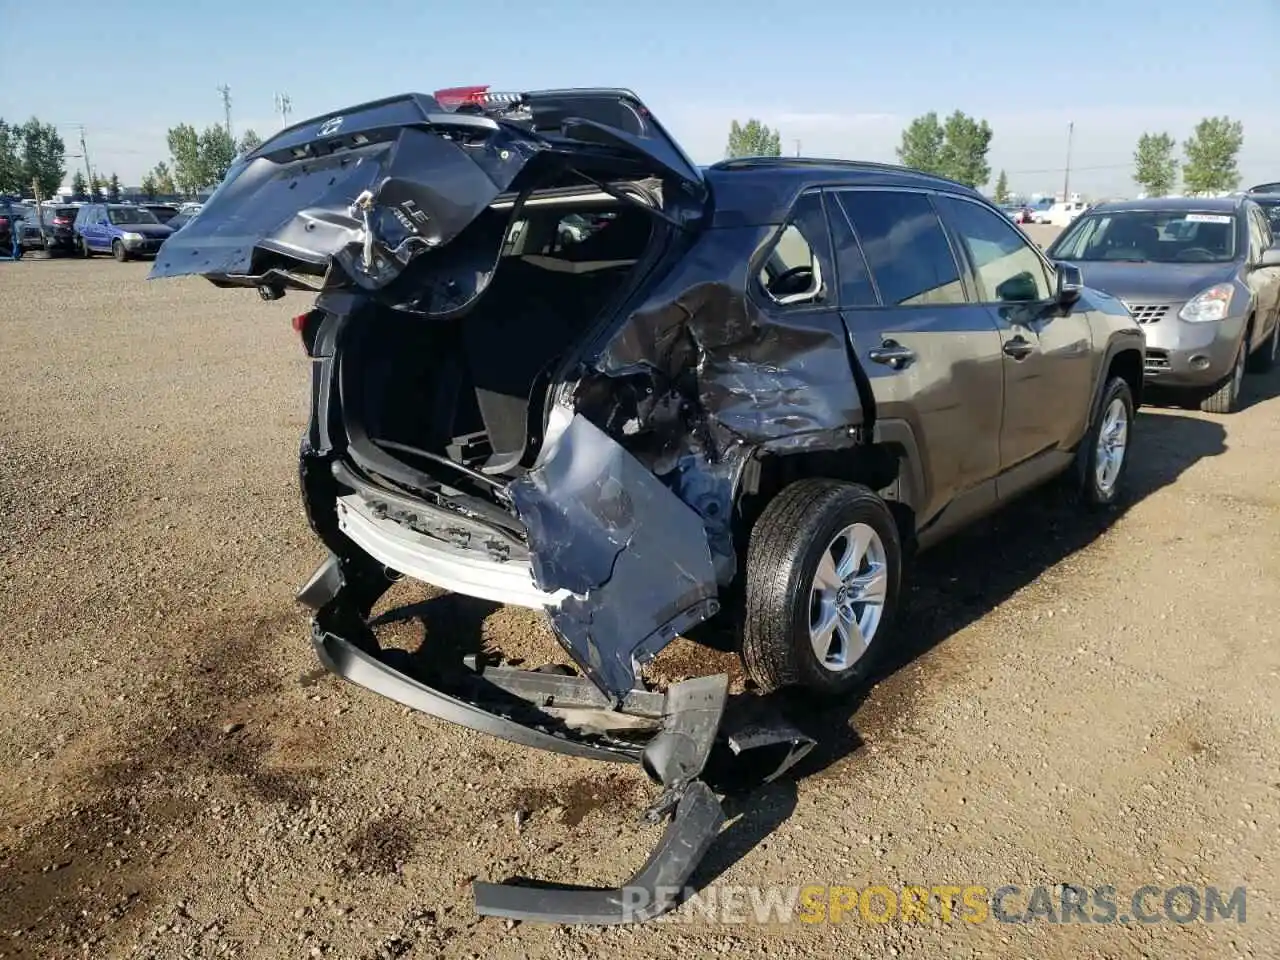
(680, 729)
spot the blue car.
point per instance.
(120, 229)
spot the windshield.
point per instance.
(130, 215)
(1150, 236)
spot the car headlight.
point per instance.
(1208, 305)
(132, 236)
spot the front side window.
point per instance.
(797, 269)
(1008, 270)
(1150, 236)
(905, 247)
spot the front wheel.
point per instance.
(118, 251)
(824, 567)
(1104, 454)
(1226, 399)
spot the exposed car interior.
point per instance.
(472, 388)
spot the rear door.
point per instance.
(1047, 352)
(931, 354)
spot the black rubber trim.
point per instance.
(653, 890)
(351, 663)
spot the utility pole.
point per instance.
(797, 148)
(226, 106)
(284, 106)
(1066, 180)
(88, 171)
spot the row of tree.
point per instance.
(957, 148)
(196, 160)
(32, 152)
(1208, 164)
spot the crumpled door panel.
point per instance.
(602, 526)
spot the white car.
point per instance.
(1061, 214)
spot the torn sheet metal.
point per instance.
(763, 375)
(635, 557)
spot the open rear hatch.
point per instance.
(371, 188)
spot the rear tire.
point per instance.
(118, 251)
(84, 249)
(801, 599)
(1265, 359)
(1226, 399)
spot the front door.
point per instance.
(932, 355)
(1047, 351)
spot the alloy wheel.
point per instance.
(847, 598)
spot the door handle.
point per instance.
(893, 354)
(1018, 348)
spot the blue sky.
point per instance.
(841, 77)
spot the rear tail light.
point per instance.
(307, 327)
(61, 222)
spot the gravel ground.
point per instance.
(1087, 701)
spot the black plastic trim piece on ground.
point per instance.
(656, 888)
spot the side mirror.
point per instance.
(1070, 283)
(1270, 257)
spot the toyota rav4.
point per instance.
(557, 364)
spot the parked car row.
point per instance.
(124, 230)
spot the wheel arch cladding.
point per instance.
(1127, 363)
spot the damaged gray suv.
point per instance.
(556, 364)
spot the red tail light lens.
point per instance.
(61, 222)
(300, 322)
(453, 97)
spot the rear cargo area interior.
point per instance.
(473, 388)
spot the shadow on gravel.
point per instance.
(964, 578)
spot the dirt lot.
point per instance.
(1088, 701)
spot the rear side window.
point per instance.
(905, 246)
(1008, 270)
(798, 268)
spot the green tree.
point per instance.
(113, 188)
(43, 154)
(250, 141)
(1002, 188)
(1155, 168)
(79, 186)
(1210, 165)
(964, 149)
(10, 162)
(921, 146)
(752, 139)
(184, 148)
(216, 151)
(164, 180)
(149, 186)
